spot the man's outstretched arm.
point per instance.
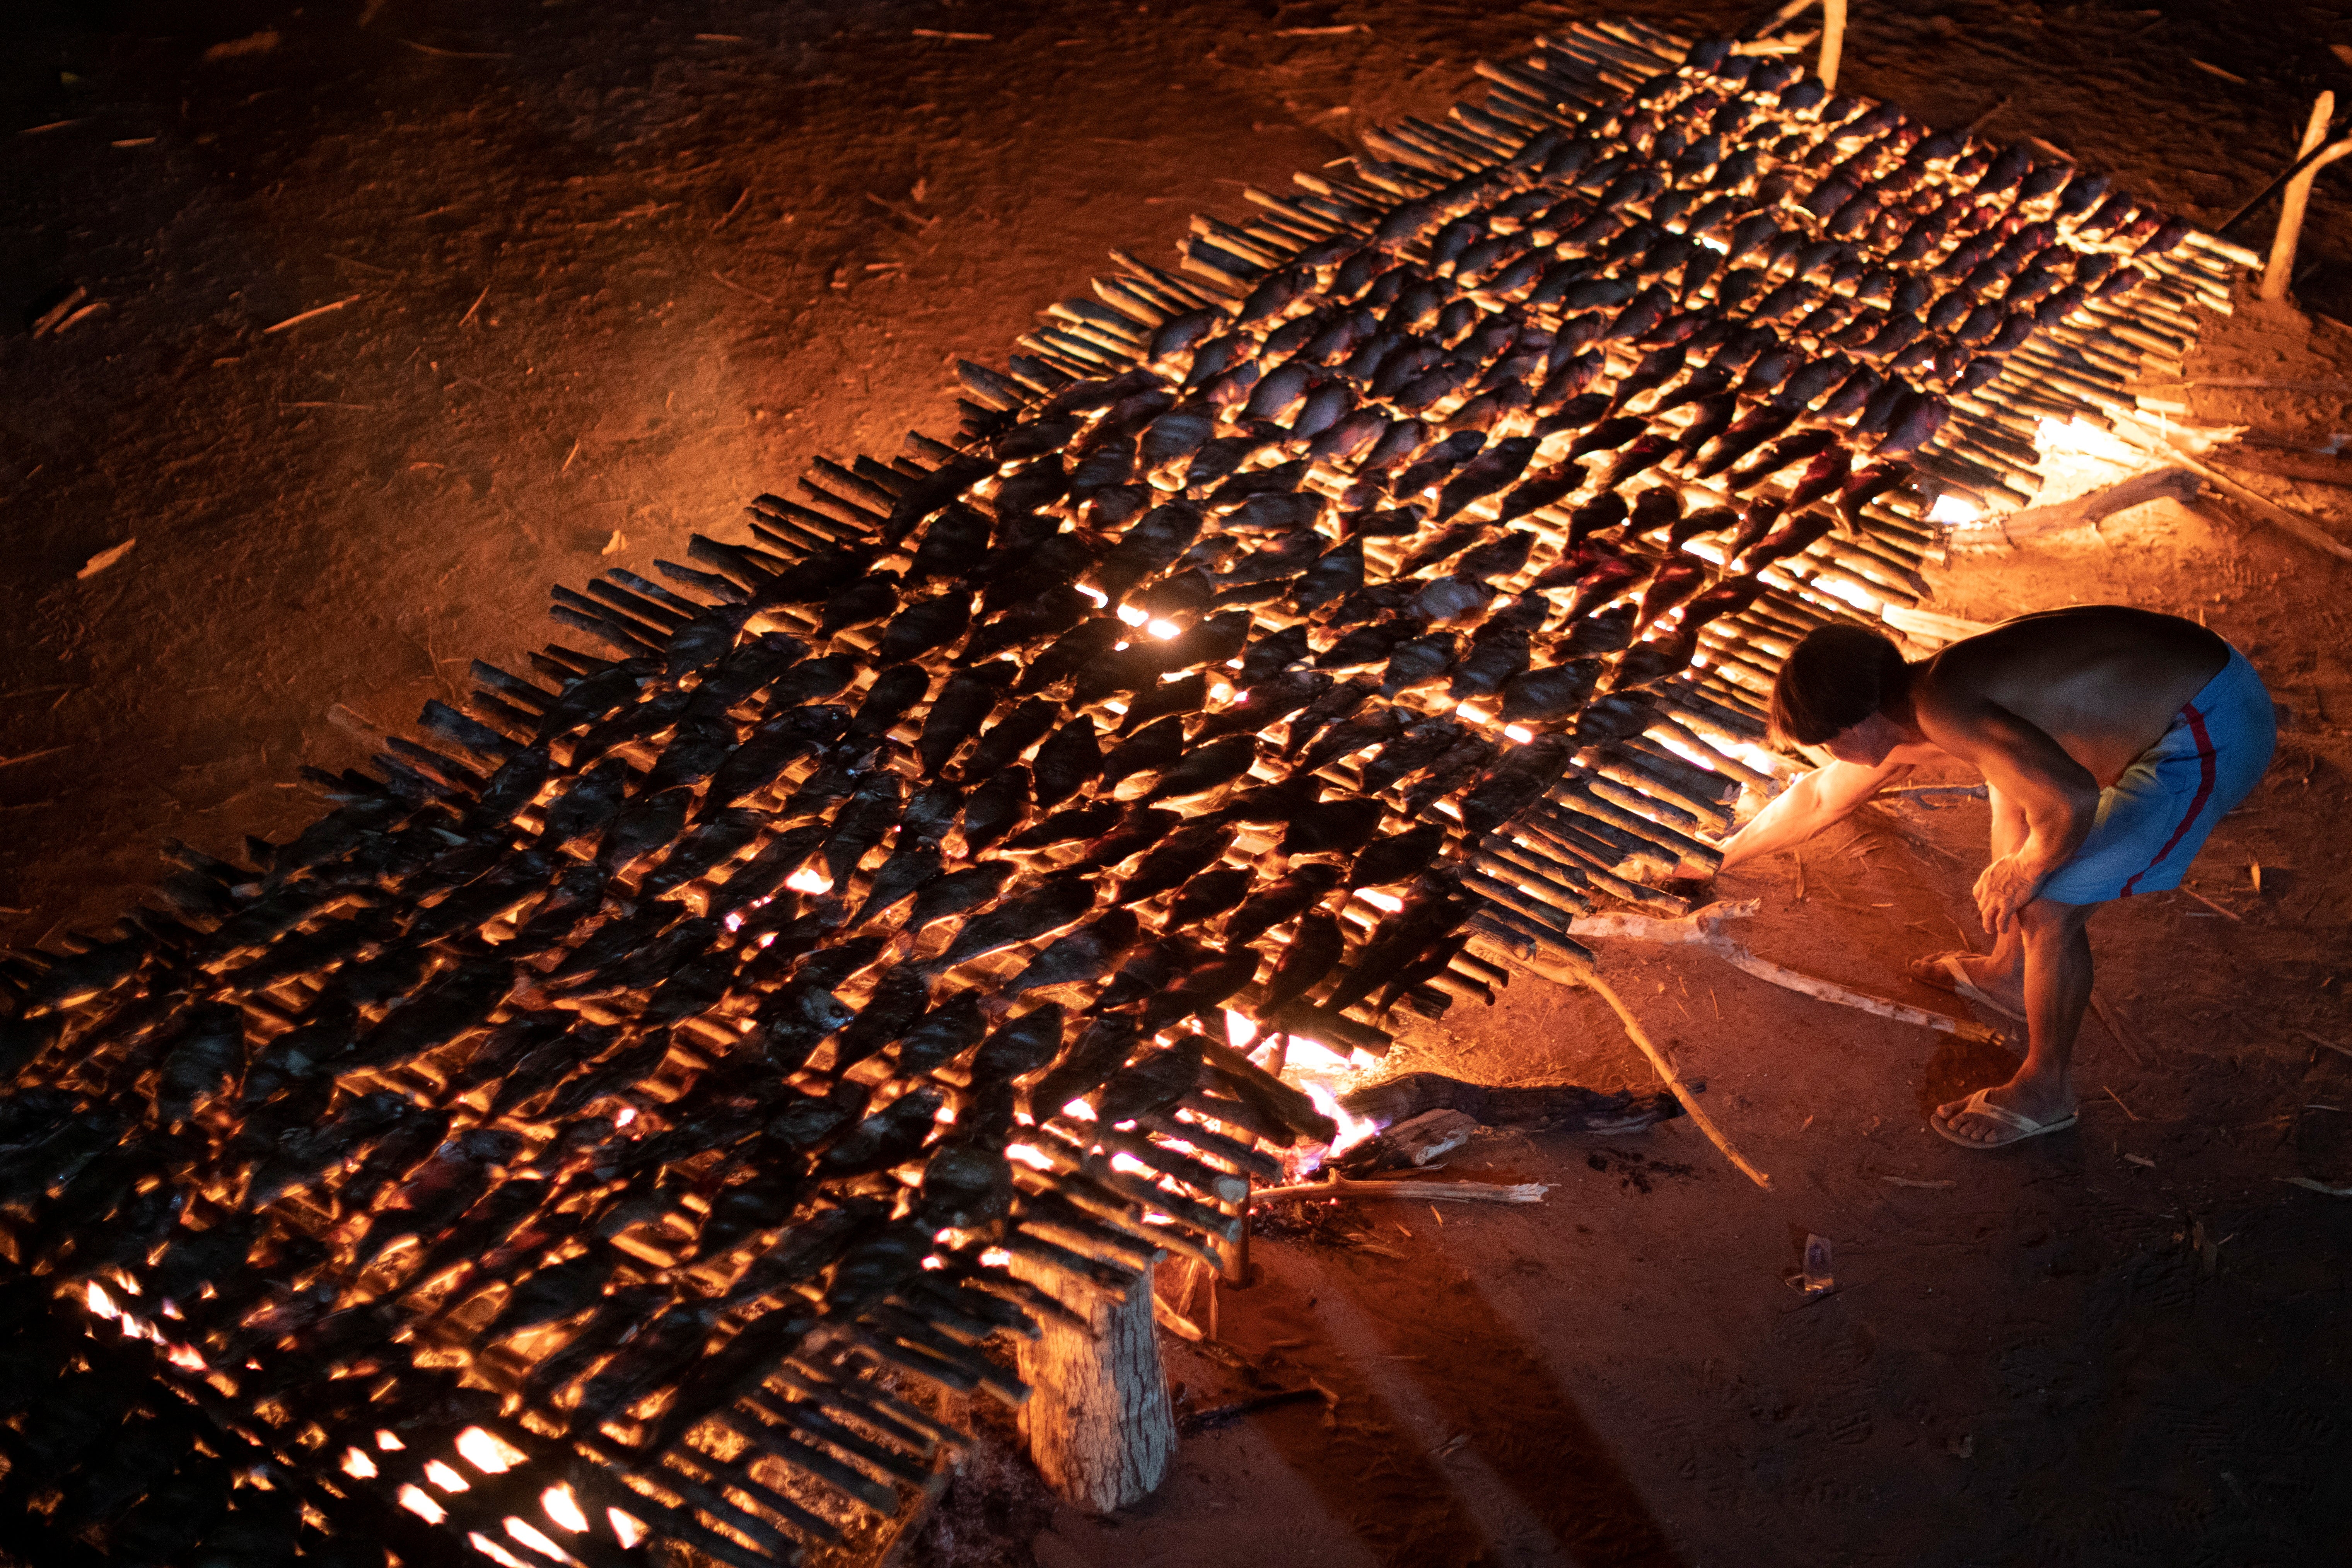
(1826, 796)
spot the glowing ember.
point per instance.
(1123, 1161)
(1079, 1110)
(809, 880)
(1954, 510)
(1848, 592)
(493, 1551)
(1028, 1155)
(101, 1303)
(626, 1527)
(1518, 732)
(185, 1357)
(1239, 1031)
(414, 1498)
(488, 1452)
(1163, 630)
(1379, 901)
(1097, 595)
(996, 1257)
(623, 1116)
(563, 1509)
(388, 1443)
(765, 938)
(357, 1463)
(1133, 616)
(733, 921)
(535, 1539)
(444, 1476)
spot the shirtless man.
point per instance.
(2112, 740)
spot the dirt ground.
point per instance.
(601, 273)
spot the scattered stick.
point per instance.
(2314, 1039)
(2318, 1186)
(2118, 1098)
(1444, 1192)
(2114, 1022)
(1907, 1182)
(1690, 1101)
(317, 310)
(2209, 904)
(59, 312)
(104, 559)
(733, 210)
(470, 309)
(743, 288)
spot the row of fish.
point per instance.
(648, 1040)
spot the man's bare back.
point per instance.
(2104, 681)
(2112, 738)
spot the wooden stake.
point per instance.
(2280, 270)
(1832, 42)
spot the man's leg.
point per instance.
(2001, 974)
(2056, 943)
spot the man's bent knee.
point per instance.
(2046, 918)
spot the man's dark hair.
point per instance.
(1834, 679)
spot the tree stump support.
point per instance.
(1098, 1424)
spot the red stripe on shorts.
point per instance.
(2204, 794)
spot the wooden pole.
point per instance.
(1098, 1426)
(1832, 42)
(2280, 270)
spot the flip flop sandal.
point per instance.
(2023, 1126)
(1943, 973)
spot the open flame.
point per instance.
(1954, 509)
(626, 1528)
(1239, 1030)
(414, 1498)
(1161, 629)
(357, 1464)
(1353, 1129)
(809, 880)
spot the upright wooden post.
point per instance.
(1832, 42)
(1098, 1424)
(1832, 34)
(2280, 270)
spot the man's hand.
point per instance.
(2006, 887)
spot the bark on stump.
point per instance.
(1098, 1424)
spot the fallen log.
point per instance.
(1566, 1106)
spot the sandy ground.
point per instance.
(601, 274)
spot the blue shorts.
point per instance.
(2153, 819)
